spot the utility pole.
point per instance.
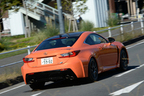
(61, 23)
(27, 25)
(136, 3)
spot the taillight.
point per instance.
(69, 54)
(30, 73)
(27, 60)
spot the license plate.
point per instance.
(45, 61)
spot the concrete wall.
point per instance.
(101, 9)
(6, 23)
(16, 23)
(97, 12)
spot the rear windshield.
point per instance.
(56, 43)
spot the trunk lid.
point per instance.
(49, 57)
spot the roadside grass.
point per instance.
(13, 53)
(128, 36)
(100, 28)
(86, 26)
(103, 28)
(16, 42)
(10, 73)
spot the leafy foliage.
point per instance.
(80, 7)
(9, 43)
(1, 47)
(112, 20)
(9, 4)
(86, 26)
(49, 31)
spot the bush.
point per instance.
(51, 31)
(112, 20)
(1, 47)
(66, 24)
(45, 33)
(86, 26)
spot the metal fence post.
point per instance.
(109, 31)
(28, 47)
(94, 31)
(121, 28)
(132, 28)
(142, 26)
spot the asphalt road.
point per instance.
(9, 60)
(110, 83)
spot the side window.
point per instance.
(89, 40)
(95, 39)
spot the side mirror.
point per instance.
(111, 39)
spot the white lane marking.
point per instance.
(134, 45)
(38, 93)
(126, 89)
(12, 89)
(136, 67)
(11, 64)
(129, 71)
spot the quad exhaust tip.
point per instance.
(69, 77)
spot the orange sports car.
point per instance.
(73, 55)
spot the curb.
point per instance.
(10, 82)
(133, 40)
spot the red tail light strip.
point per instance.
(70, 54)
(27, 60)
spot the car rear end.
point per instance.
(52, 60)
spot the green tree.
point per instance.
(80, 7)
(74, 9)
(9, 4)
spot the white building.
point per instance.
(97, 12)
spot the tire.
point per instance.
(38, 85)
(92, 70)
(123, 60)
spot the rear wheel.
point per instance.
(38, 85)
(123, 60)
(92, 70)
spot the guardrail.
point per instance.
(28, 49)
(122, 29)
(109, 35)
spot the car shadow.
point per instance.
(113, 72)
(82, 81)
(67, 83)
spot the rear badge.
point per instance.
(45, 53)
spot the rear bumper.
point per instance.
(50, 76)
(75, 68)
